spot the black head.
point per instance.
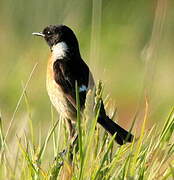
(54, 34)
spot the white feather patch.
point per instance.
(59, 50)
(82, 88)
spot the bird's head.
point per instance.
(54, 34)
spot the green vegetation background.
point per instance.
(120, 33)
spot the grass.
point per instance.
(119, 30)
(98, 157)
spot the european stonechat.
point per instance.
(65, 68)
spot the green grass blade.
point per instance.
(168, 128)
(1, 134)
(90, 137)
(19, 101)
(42, 151)
(171, 170)
(29, 116)
(104, 158)
(54, 133)
(27, 157)
(79, 128)
(139, 144)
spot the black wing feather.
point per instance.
(66, 73)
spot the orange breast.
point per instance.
(57, 97)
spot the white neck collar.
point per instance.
(59, 50)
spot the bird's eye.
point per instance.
(48, 32)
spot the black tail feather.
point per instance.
(122, 136)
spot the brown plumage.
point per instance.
(56, 94)
(65, 68)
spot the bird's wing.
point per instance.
(66, 73)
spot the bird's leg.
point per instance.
(72, 139)
(71, 129)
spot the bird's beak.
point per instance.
(38, 34)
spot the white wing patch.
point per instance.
(59, 50)
(82, 88)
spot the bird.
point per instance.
(66, 67)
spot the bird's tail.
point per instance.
(122, 136)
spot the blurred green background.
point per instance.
(113, 36)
